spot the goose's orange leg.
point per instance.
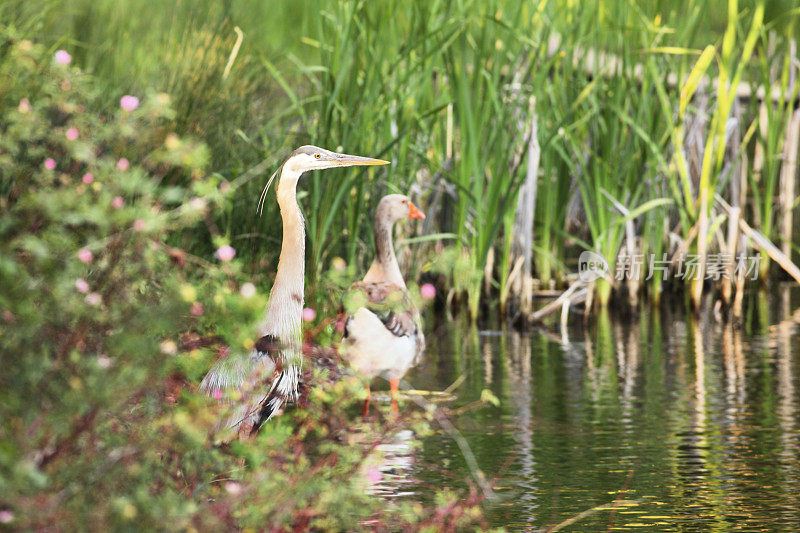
(365, 411)
(394, 384)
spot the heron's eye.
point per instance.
(316, 156)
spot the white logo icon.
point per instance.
(591, 266)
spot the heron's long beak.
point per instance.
(414, 212)
(345, 160)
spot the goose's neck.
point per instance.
(283, 317)
(384, 268)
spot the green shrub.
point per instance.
(106, 327)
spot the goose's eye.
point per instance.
(316, 156)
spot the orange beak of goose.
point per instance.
(414, 212)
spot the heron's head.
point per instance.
(310, 157)
(314, 158)
(394, 207)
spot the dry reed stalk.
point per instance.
(522, 286)
(763, 243)
(576, 293)
(488, 270)
(787, 181)
(733, 239)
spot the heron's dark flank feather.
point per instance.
(268, 345)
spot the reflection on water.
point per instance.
(695, 421)
(389, 469)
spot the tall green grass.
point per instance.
(385, 79)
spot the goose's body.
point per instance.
(383, 333)
(278, 350)
(380, 342)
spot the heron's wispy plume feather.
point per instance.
(260, 208)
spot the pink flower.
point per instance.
(168, 347)
(81, 285)
(85, 255)
(248, 290)
(197, 309)
(123, 164)
(62, 57)
(233, 488)
(428, 291)
(6, 516)
(72, 134)
(309, 314)
(225, 253)
(93, 299)
(87, 178)
(217, 394)
(197, 203)
(50, 163)
(24, 106)
(118, 202)
(129, 103)
(224, 187)
(138, 225)
(374, 475)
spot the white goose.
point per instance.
(383, 335)
(278, 348)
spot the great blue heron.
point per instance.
(383, 335)
(278, 347)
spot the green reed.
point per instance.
(443, 89)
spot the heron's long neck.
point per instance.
(283, 317)
(385, 267)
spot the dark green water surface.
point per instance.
(691, 425)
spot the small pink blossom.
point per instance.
(168, 347)
(123, 164)
(117, 202)
(72, 134)
(224, 187)
(87, 178)
(93, 299)
(129, 103)
(217, 394)
(428, 291)
(309, 314)
(6, 516)
(24, 106)
(198, 203)
(197, 309)
(225, 253)
(103, 361)
(374, 475)
(233, 488)
(85, 255)
(248, 290)
(62, 57)
(50, 163)
(81, 285)
(138, 225)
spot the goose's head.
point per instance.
(394, 207)
(310, 157)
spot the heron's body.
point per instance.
(279, 346)
(383, 334)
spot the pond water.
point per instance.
(687, 425)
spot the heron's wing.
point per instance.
(247, 373)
